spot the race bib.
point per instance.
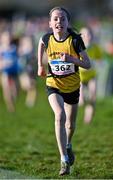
(59, 67)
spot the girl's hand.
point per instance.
(41, 71)
(66, 57)
(84, 63)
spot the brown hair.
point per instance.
(61, 9)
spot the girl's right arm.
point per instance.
(41, 68)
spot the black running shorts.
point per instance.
(69, 98)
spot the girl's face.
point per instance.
(58, 21)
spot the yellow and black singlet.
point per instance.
(63, 75)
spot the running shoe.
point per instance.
(70, 155)
(65, 168)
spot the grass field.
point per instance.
(28, 146)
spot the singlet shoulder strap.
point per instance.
(78, 43)
(45, 39)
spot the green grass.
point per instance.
(28, 144)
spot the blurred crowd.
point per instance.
(18, 61)
(102, 32)
(19, 38)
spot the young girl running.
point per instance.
(65, 51)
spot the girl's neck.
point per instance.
(61, 36)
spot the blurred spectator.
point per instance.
(27, 61)
(8, 69)
(108, 55)
(89, 77)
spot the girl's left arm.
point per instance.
(83, 61)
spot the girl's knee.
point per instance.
(60, 117)
(70, 126)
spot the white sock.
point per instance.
(64, 158)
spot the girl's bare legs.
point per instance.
(65, 116)
(71, 113)
(57, 104)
